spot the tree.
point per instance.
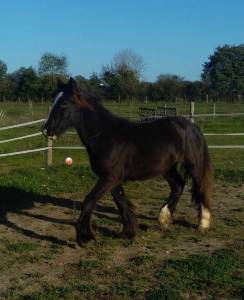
(167, 87)
(224, 72)
(129, 60)
(26, 83)
(3, 70)
(3, 83)
(123, 82)
(51, 68)
(194, 90)
(52, 65)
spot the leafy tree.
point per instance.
(51, 68)
(3, 70)
(194, 90)
(128, 59)
(26, 83)
(167, 87)
(123, 82)
(3, 74)
(52, 65)
(224, 72)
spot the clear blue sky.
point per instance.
(173, 36)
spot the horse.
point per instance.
(120, 150)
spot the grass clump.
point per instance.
(230, 175)
(163, 293)
(202, 273)
(21, 247)
(141, 260)
(50, 293)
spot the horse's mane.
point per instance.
(107, 114)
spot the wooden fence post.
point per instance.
(49, 152)
(214, 109)
(49, 155)
(192, 109)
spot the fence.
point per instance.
(49, 148)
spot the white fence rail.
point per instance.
(48, 148)
(22, 124)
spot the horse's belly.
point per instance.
(147, 170)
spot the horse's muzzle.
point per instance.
(44, 130)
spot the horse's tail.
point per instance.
(206, 186)
(199, 167)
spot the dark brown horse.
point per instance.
(121, 150)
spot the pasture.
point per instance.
(39, 206)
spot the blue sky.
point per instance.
(173, 36)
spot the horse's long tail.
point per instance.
(198, 165)
(206, 187)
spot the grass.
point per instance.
(21, 247)
(200, 273)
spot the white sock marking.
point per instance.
(205, 218)
(164, 216)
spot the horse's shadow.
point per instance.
(19, 201)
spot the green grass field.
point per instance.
(39, 258)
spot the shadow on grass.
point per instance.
(19, 201)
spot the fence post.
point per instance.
(192, 109)
(49, 155)
(49, 152)
(214, 109)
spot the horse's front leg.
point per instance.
(84, 231)
(126, 212)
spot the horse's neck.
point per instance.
(93, 124)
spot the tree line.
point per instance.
(222, 78)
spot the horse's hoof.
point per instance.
(126, 234)
(203, 230)
(164, 227)
(82, 239)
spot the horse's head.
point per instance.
(65, 110)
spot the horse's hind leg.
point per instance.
(177, 185)
(126, 212)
